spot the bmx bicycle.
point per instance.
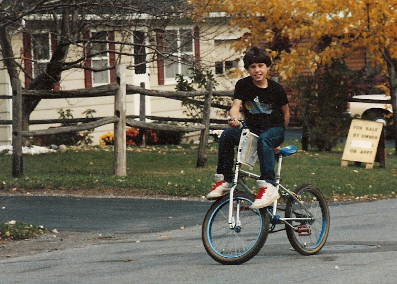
(233, 233)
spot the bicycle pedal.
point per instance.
(303, 230)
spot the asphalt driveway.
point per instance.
(104, 215)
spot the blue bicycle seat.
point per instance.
(288, 150)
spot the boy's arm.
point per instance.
(235, 113)
(286, 114)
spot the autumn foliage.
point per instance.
(344, 25)
(315, 32)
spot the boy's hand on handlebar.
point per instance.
(233, 122)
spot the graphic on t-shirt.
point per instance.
(256, 107)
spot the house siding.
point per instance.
(78, 79)
(5, 108)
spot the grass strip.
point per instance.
(171, 170)
(14, 230)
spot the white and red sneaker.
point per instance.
(220, 188)
(267, 194)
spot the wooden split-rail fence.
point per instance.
(119, 118)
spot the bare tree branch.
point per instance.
(71, 25)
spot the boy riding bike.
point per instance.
(265, 107)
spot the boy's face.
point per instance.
(258, 71)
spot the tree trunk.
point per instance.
(305, 137)
(8, 57)
(392, 72)
(54, 69)
(45, 81)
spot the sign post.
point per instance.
(362, 142)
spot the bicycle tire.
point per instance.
(308, 237)
(240, 244)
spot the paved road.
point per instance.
(362, 248)
(103, 215)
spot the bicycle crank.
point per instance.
(303, 230)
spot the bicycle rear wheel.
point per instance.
(247, 236)
(308, 236)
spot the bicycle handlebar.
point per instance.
(242, 124)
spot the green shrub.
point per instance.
(323, 102)
(198, 79)
(134, 137)
(169, 137)
(155, 137)
(69, 138)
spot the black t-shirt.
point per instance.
(261, 106)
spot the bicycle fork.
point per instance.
(234, 221)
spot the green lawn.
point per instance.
(14, 230)
(171, 171)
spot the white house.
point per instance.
(210, 44)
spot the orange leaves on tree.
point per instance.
(349, 25)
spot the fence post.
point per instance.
(17, 158)
(120, 148)
(202, 151)
(142, 112)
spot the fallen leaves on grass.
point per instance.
(14, 230)
(367, 197)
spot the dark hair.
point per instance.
(256, 55)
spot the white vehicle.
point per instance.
(371, 107)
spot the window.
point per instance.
(41, 49)
(231, 64)
(139, 52)
(221, 66)
(178, 45)
(100, 59)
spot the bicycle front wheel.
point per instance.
(238, 242)
(310, 220)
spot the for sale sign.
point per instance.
(362, 141)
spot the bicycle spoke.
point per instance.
(308, 237)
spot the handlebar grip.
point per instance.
(242, 125)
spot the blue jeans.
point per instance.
(268, 140)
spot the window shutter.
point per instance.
(27, 55)
(160, 58)
(112, 57)
(196, 36)
(87, 63)
(57, 85)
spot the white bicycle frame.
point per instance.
(247, 155)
